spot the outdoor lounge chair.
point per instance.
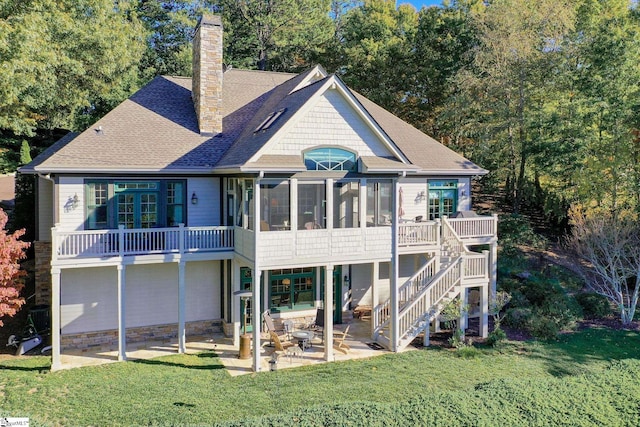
(338, 340)
(268, 321)
(318, 324)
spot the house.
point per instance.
(155, 219)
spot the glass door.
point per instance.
(443, 198)
(138, 210)
(246, 314)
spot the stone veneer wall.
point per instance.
(109, 338)
(43, 271)
(206, 89)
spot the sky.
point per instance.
(419, 3)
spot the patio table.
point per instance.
(304, 338)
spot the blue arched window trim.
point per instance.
(330, 159)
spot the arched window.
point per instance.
(330, 159)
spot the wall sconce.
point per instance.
(464, 193)
(420, 197)
(74, 202)
(194, 199)
(346, 279)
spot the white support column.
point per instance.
(464, 314)
(235, 303)
(329, 205)
(256, 316)
(493, 265)
(328, 314)
(55, 319)
(256, 280)
(293, 183)
(395, 309)
(182, 347)
(362, 202)
(484, 314)
(375, 296)
(122, 304)
(427, 332)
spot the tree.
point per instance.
(610, 246)
(376, 52)
(25, 152)
(169, 26)
(607, 79)
(23, 216)
(504, 87)
(63, 61)
(12, 250)
(278, 35)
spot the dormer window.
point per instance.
(330, 159)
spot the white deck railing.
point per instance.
(123, 242)
(474, 228)
(418, 233)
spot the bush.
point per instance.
(496, 337)
(544, 328)
(594, 306)
(513, 231)
(518, 317)
(468, 352)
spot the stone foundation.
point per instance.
(42, 271)
(109, 338)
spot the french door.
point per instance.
(443, 198)
(138, 209)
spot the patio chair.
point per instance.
(268, 321)
(338, 340)
(280, 345)
(318, 324)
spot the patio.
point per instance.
(359, 336)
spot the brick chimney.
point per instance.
(207, 74)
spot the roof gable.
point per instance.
(323, 113)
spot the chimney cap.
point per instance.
(211, 20)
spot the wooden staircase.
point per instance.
(423, 295)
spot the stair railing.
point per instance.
(406, 293)
(426, 302)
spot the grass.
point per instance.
(195, 389)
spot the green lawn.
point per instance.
(195, 389)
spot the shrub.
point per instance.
(594, 306)
(544, 328)
(496, 337)
(468, 352)
(518, 317)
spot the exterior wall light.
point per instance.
(194, 199)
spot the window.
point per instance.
(330, 159)
(443, 198)
(244, 201)
(134, 204)
(175, 204)
(97, 198)
(346, 196)
(291, 289)
(275, 206)
(379, 202)
(311, 206)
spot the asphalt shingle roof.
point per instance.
(156, 130)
